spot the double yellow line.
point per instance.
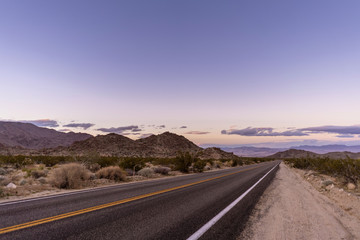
(91, 209)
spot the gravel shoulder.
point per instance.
(293, 208)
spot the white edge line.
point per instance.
(209, 224)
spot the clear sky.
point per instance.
(231, 72)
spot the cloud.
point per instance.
(42, 122)
(64, 130)
(342, 131)
(262, 132)
(120, 130)
(334, 129)
(157, 126)
(197, 132)
(80, 125)
(183, 127)
(345, 136)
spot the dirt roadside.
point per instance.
(292, 208)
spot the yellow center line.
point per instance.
(91, 209)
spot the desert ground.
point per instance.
(298, 205)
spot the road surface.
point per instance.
(167, 208)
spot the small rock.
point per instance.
(351, 186)
(11, 185)
(326, 183)
(330, 187)
(207, 168)
(341, 190)
(309, 173)
(23, 182)
(42, 180)
(2, 171)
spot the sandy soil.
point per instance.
(292, 208)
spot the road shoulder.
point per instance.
(291, 208)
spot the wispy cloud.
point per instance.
(197, 132)
(42, 122)
(342, 131)
(262, 132)
(120, 130)
(80, 125)
(157, 126)
(345, 136)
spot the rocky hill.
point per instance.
(342, 155)
(165, 145)
(29, 136)
(27, 139)
(216, 153)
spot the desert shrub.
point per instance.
(349, 169)
(112, 172)
(183, 161)
(162, 170)
(199, 165)
(236, 162)
(146, 172)
(132, 163)
(129, 172)
(93, 167)
(162, 161)
(108, 161)
(71, 175)
(38, 173)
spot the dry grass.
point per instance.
(71, 175)
(162, 170)
(146, 172)
(113, 173)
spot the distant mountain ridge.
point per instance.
(329, 148)
(295, 153)
(29, 136)
(263, 152)
(253, 151)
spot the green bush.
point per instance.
(131, 163)
(199, 165)
(183, 161)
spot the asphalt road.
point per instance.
(167, 208)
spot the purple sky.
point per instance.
(207, 65)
